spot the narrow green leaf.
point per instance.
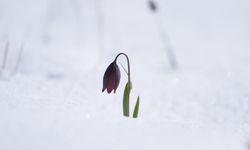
(126, 99)
(136, 109)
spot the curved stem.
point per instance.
(127, 89)
(127, 63)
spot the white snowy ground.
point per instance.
(54, 100)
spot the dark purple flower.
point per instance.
(111, 78)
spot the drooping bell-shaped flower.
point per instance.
(111, 78)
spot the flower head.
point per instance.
(111, 81)
(111, 78)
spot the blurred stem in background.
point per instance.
(100, 31)
(5, 56)
(75, 5)
(163, 34)
(19, 58)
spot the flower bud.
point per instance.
(111, 78)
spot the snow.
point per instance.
(54, 99)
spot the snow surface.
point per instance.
(54, 100)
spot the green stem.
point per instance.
(136, 109)
(129, 79)
(127, 89)
(126, 99)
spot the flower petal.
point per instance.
(111, 78)
(106, 76)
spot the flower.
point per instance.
(111, 81)
(111, 78)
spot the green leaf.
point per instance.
(136, 109)
(126, 94)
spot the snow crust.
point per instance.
(53, 100)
